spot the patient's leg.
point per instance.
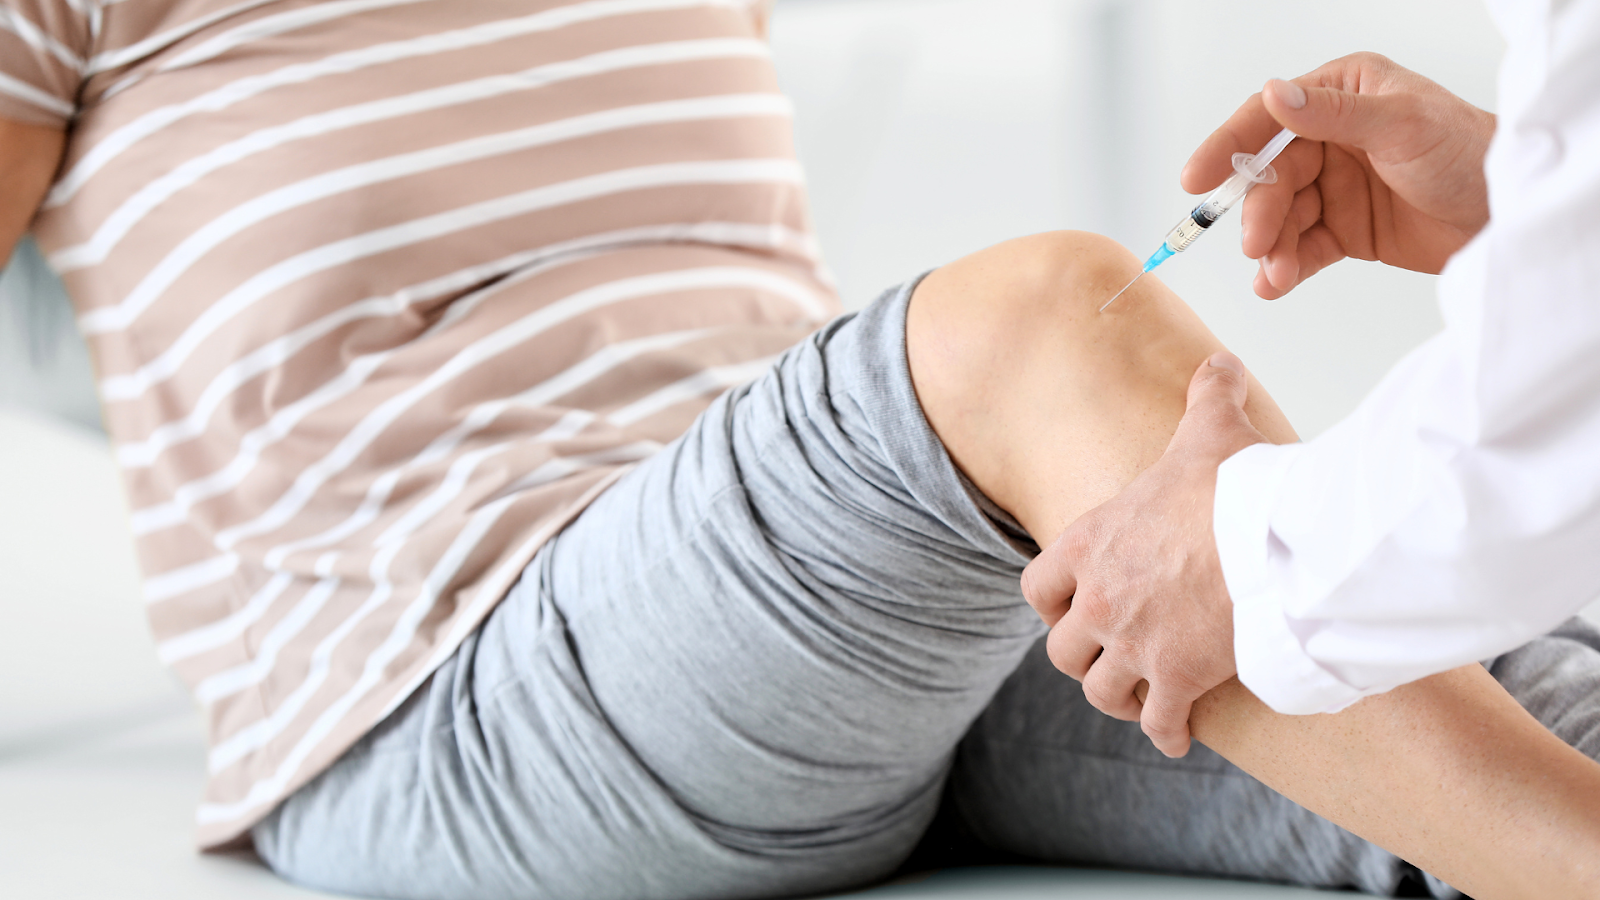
(1044, 775)
(1050, 408)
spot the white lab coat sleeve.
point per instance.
(1456, 513)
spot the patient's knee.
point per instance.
(1018, 325)
(1013, 314)
(1027, 383)
(1009, 290)
(1058, 276)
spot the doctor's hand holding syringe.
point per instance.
(1456, 514)
(1403, 176)
(1389, 168)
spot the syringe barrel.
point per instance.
(1209, 211)
(1186, 232)
(1225, 197)
(1249, 170)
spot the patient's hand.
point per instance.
(1133, 590)
(1389, 167)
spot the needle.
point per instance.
(1123, 291)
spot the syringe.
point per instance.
(1249, 170)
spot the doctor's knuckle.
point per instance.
(1100, 695)
(1032, 590)
(1077, 543)
(1092, 606)
(1212, 411)
(1160, 728)
(1058, 648)
(1370, 60)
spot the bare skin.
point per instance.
(1052, 410)
(29, 156)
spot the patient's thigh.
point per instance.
(793, 614)
(741, 673)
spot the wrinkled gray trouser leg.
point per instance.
(1044, 775)
(741, 673)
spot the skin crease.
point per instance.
(1051, 409)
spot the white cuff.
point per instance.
(1271, 659)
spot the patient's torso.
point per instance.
(380, 293)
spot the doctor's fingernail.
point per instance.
(1288, 93)
(1222, 359)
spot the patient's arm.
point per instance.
(29, 155)
(1052, 408)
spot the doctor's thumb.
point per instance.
(1215, 422)
(1368, 121)
(1220, 381)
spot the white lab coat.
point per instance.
(1456, 513)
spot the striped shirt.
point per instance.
(381, 293)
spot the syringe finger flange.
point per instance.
(1241, 164)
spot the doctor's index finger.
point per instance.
(1164, 719)
(1049, 582)
(1268, 206)
(1251, 125)
(1246, 131)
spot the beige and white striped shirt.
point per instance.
(381, 293)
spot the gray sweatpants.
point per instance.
(755, 666)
